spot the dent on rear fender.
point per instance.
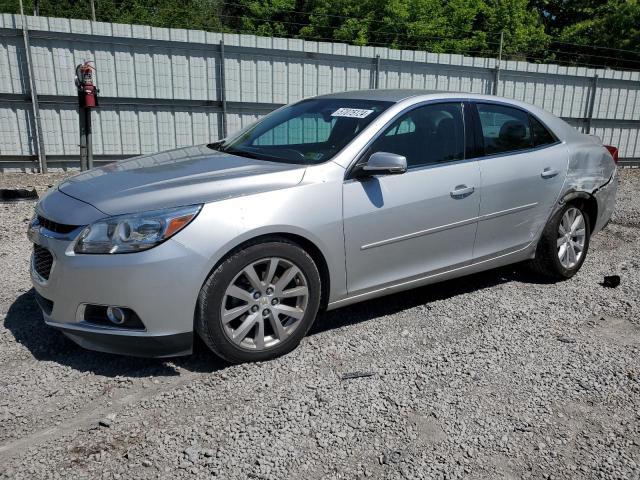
(592, 172)
(590, 167)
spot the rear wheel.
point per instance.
(564, 243)
(260, 302)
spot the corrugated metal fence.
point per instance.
(164, 88)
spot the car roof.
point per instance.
(386, 95)
(558, 126)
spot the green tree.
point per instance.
(458, 26)
(524, 33)
(558, 14)
(263, 17)
(197, 14)
(613, 25)
(573, 31)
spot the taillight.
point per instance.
(613, 151)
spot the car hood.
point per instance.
(175, 178)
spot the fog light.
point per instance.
(106, 316)
(116, 315)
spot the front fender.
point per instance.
(310, 211)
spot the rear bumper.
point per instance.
(142, 345)
(606, 198)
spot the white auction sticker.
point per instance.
(351, 112)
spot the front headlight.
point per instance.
(135, 232)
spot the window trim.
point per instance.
(476, 149)
(480, 136)
(465, 124)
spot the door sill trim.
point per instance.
(406, 284)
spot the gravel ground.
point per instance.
(31, 180)
(497, 375)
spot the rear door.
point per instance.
(398, 227)
(522, 169)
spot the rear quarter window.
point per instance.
(541, 135)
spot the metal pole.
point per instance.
(42, 158)
(497, 79)
(592, 102)
(88, 112)
(223, 93)
(93, 10)
(36, 8)
(82, 117)
(376, 78)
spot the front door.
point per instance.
(399, 227)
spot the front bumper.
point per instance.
(160, 285)
(136, 345)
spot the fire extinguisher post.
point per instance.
(87, 99)
(89, 142)
(83, 135)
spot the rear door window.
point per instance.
(504, 129)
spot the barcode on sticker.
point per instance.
(351, 112)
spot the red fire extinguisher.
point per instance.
(87, 91)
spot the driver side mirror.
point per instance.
(383, 163)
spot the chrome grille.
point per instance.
(42, 261)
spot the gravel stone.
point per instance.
(105, 422)
(496, 375)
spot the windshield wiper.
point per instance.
(243, 153)
(219, 146)
(240, 153)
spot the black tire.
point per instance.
(546, 261)
(208, 320)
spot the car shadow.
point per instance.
(371, 187)
(397, 302)
(24, 320)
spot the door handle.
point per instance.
(461, 191)
(549, 172)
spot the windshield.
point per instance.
(308, 132)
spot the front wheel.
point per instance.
(260, 302)
(564, 243)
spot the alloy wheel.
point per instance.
(264, 303)
(571, 238)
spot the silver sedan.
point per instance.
(329, 201)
